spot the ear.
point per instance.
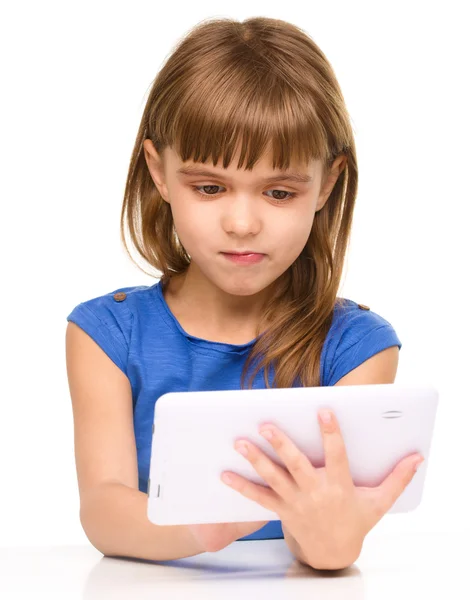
(156, 168)
(335, 171)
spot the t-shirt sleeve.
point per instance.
(357, 335)
(109, 323)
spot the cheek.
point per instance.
(292, 239)
(194, 230)
(295, 229)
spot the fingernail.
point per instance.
(267, 433)
(242, 448)
(325, 416)
(418, 463)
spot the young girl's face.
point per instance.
(230, 209)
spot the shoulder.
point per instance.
(111, 309)
(356, 334)
(352, 319)
(109, 319)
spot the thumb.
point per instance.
(395, 484)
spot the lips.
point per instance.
(242, 253)
(244, 259)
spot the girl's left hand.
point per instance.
(326, 514)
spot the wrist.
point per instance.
(327, 560)
(332, 562)
(293, 544)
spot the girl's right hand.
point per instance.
(216, 536)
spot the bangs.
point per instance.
(260, 114)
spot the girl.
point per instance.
(245, 146)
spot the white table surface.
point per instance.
(401, 566)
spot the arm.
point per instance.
(113, 511)
(114, 518)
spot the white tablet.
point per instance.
(194, 434)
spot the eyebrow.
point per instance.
(289, 176)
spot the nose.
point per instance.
(241, 216)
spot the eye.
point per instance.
(291, 195)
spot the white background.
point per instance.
(75, 76)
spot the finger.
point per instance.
(278, 479)
(394, 485)
(336, 458)
(260, 494)
(296, 462)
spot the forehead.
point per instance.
(296, 173)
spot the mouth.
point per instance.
(244, 253)
(244, 258)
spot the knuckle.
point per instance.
(336, 491)
(267, 470)
(270, 472)
(296, 463)
(263, 498)
(408, 478)
(337, 452)
(242, 485)
(315, 496)
(297, 506)
(379, 506)
(376, 507)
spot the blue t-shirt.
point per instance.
(137, 330)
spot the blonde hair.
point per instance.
(265, 83)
